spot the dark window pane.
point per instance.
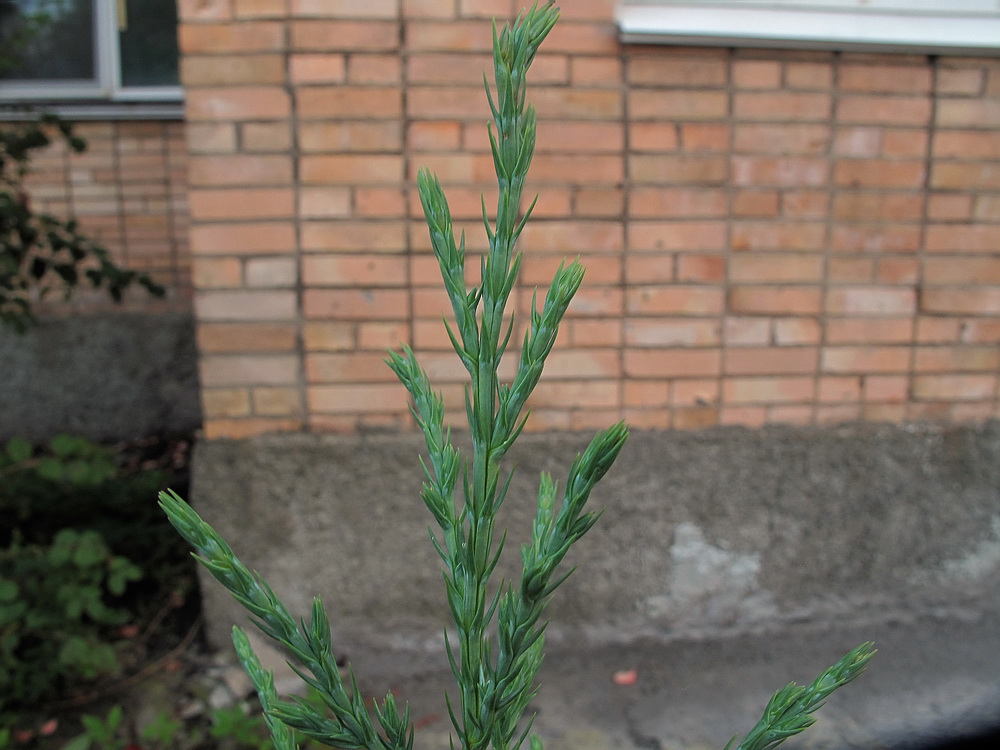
(47, 40)
(148, 37)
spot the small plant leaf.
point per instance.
(18, 450)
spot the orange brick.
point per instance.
(899, 143)
(869, 330)
(875, 238)
(243, 203)
(884, 110)
(886, 388)
(350, 101)
(776, 268)
(757, 74)
(350, 136)
(345, 8)
(245, 305)
(248, 369)
(354, 270)
(652, 136)
(571, 104)
(791, 331)
(771, 360)
(863, 142)
(672, 332)
(963, 238)
(769, 390)
(356, 304)
(959, 81)
(956, 359)
(262, 137)
(704, 137)
(865, 359)
(591, 137)
(595, 71)
(375, 69)
(232, 70)
(328, 336)
(245, 337)
(379, 202)
(217, 273)
(957, 270)
(317, 202)
(600, 38)
(345, 36)
(792, 171)
(782, 105)
(702, 267)
(968, 113)
(670, 69)
(885, 78)
(670, 363)
(382, 336)
(586, 394)
(356, 236)
(674, 300)
(780, 138)
(225, 402)
(965, 175)
(662, 169)
(766, 235)
(954, 387)
(220, 171)
(649, 202)
(276, 402)
(260, 8)
(434, 135)
(350, 169)
(243, 238)
(220, 38)
(271, 272)
(306, 68)
(375, 398)
(876, 206)
(870, 300)
(450, 36)
(351, 367)
(237, 103)
(876, 173)
(774, 300)
(677, 105)
(211, 137)
(204, 10)
(808, 75)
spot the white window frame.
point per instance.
(954, 27)
(107, 84)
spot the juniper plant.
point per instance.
(499, 628)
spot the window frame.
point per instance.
(964, 27)
(107, 83)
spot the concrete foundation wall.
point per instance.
(107, 377)
(725, 531)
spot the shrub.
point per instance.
(500, 629)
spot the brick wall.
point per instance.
(128, 191)
(771, 237)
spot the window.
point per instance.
(969, 27)
(87, 50)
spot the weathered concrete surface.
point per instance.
(734, 557)
(107, 377)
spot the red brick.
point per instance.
(766, 235)
(595, 71)
(870, 300)
(808, 75)
(961, 300)
(243, 238)
(652, 136)
(271, 272)
(792, 171)
(225, 171)
(217, 273)
(204, 10)
(350, 367)
(225, 402)
(353, 236)
(677, 235)
(956, 270)
(324, 202)
(875, 173)
(878, 206)
(257, 369)
(237, 103)
(704, 137)
(755, 203)
(243, 203)
(872, 238)
(792, 331)
(959, 81)
(276, 402)
(590, 137)
(269, 305)
(237, 429)
(747, 331)
(956, 359)
(965, 175)
(329, 336)
(685, 170)
(376, 398)
(968, 113)
(865, 359)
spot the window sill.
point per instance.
(722, 24)
(90, 111)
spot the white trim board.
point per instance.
(969, 27)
